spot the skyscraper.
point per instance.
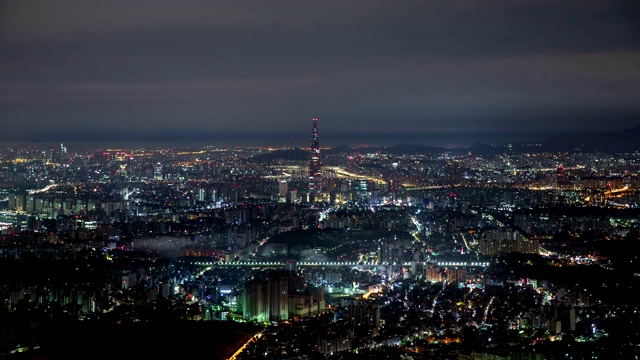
(282, 191)
(315, 164)
(560, 176)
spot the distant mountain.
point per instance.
(289, 154)
(484, 149)
(340, 149)
(415, 149)
(627, 140)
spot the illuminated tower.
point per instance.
(315, 164)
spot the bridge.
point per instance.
(328, 263)
(463, 263)
(284, 264)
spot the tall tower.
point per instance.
(315, 164)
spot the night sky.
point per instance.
(390, 71)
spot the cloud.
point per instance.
(359, 65)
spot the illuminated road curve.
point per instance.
(44, 189)
(244, 346)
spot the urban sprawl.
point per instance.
(331, 253)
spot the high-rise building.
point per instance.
(364, 314)
(282, 188)
(63, 152)
(282, 191)
(362, 189)
(560, 176)
(157, 171)
(315, 163)
(267, 299)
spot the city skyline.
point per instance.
(247, 72)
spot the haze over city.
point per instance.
(244, 72)
(319, 180)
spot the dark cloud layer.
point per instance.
(122, 69)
